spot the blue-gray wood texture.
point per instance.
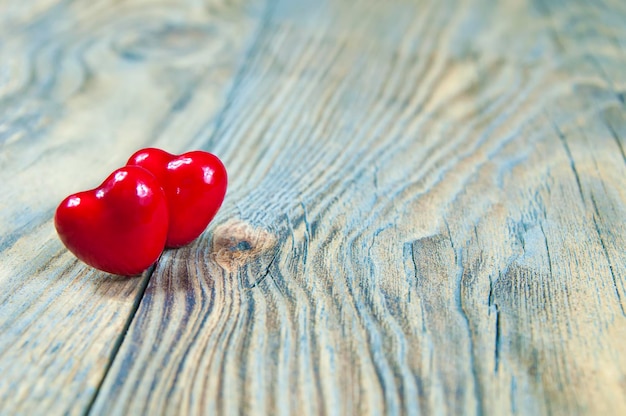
(426, 212)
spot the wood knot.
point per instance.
(236, 243)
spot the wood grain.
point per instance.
(425, 216)
(83, 85)
(445, 183)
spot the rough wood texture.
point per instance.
(426, 212)
(82, 86)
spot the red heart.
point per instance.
(194, 184)
(119, 227)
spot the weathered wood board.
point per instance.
(425, 215)
(82, 86)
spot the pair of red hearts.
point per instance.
(157, 200)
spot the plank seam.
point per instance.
(121, 337)
(254, 45)
(617, 140)
(258, 36)
(606, 255)
(570, 158)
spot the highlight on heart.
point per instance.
(157, 201)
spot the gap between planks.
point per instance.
(257, 37)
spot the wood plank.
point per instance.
(82, 86)
(426, 215)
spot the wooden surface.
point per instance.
(425, 215)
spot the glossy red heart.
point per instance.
(119, 227)
(194, 184)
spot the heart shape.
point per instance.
(194, 184)
(119, 227)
